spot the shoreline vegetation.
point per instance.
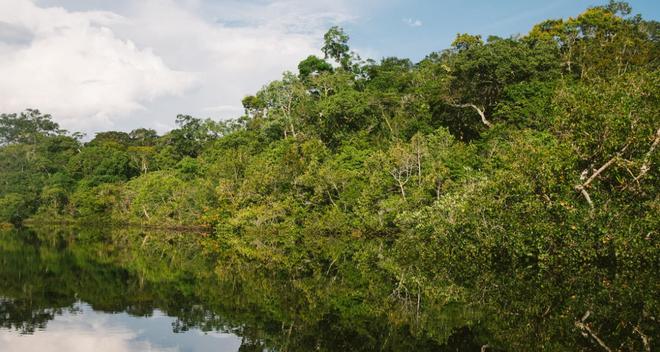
(41, 223)
(518, 174)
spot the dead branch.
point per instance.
(647, 157)
(585, 194)
(582, 188)
(600, 170)
(144, 210)
(645, 339)
(586, 331)
(401, 177)
(479, 111)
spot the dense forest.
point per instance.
(527, 157)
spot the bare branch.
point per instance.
(599, 171)
(647, 157)
(144, 210)
(585, 194)
(479, 111)
(583, 187)
(645, 339)
(586, 331)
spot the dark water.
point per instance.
(135, 290)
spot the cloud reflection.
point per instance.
(101, 332)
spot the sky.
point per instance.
(99, 65)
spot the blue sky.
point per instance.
(116, 65)
(386, 29)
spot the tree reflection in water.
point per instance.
(46, 272)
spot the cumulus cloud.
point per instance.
(139, 63)
(72, 65)
(235, 46)
(412, 22)
(14, 34)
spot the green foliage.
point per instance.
(26, 127)
(313, 65)
(95, 200)
(143, 137)
(466, 41)
(490, 163)
(335, 46)
(191, 136)
(13, 207)
(106, 163)
(111, 137)
(164, 197)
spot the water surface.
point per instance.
(81, 328)
(73, 289)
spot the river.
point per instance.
(112, 290)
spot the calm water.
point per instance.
(81, 328)
(131, 290)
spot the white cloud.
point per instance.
(75, 67)
(412, 22)
(233, 109)
(235, 46)
(142, 62)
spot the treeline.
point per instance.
(538, 151)
(531, 134)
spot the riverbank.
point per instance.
(90, 222)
